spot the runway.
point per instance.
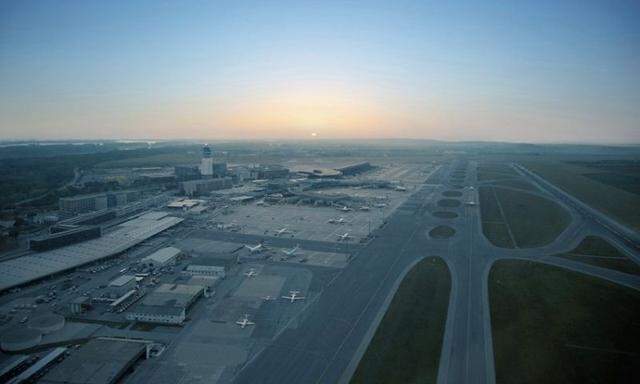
(330, 338)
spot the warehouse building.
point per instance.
(162, 257)
(205, 270)
(167, 304)
(267, 172)
(99, 361)
(355, 169)
(62, 239)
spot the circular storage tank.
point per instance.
(46, 323)
(20, 338)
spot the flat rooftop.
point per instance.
(99, 361)
(172, 295)
(32, 267)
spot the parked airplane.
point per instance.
(365, 208)
(345, 209)
(344, 237)
(400, 188)
(337, 221)
(251, 273)
(282, 231)
(292, 251)
(268, 298)
(256, 248)
(471, 203)
(293, 296)
(243, 322)
(380, 205)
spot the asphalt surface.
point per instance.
(330, 340)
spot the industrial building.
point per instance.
(204, 186)
(28, 268)
(167, 304)
(99, 361)
(64, 238)
(355, 169)
(97, 202)
(162, 257)
(205, 270)
(124, 281)
(187, 172)
(79, 305)
(266, 172)
(83, 203)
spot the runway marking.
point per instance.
(324, 371)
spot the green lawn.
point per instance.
(406, 346)
(494, 171)
(534, 221)
(552, 325)
(596, 251)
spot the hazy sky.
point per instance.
(486, 70)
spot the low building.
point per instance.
(124, 281)
(167, 304)
(205, 270)
(267, 172)
(99, 361)
(355, 169)
(97, 202)
(204, 186)
(187, 172)
(162, 257)
(79, 305)
(68, 237)
(83, 203)
(208, 282)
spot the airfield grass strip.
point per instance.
(552, 325)
(596, 251)
(406, 346)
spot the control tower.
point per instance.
(206, 164)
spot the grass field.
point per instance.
(596, 251)
(494, 171)
(556, 326)
(449, 203)
(442, 232)
(514, 217)
(406, 346)
(620, 204)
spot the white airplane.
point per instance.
(472, 203)
(268, 298)
(337, 221)
(344, 237)
(365, 208)
(380, 205)
(256, 248)
(400, 188)
(282, 231)
(243, 322)
(251, 273)
(293, 296)
(345, 209)
(292, 251)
